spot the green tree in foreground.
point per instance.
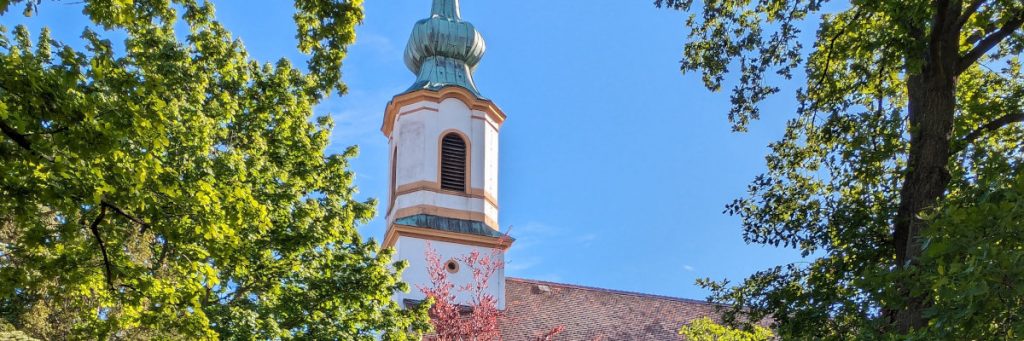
(177, 189)
(705, 329)
(900, 176)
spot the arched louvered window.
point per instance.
(453, 162)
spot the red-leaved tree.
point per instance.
(480, 319)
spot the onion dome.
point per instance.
(443, 50)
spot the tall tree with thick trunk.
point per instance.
(909, 118)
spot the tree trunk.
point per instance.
(931, 108)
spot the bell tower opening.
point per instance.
(453, 162)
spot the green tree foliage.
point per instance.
(899, 177)
(175, 188)
(705, 329)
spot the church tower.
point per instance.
(443, 137)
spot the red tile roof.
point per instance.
(590, 314)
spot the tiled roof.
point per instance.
(590, 314)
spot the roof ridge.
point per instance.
(613, 291)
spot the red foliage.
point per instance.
(550, 334)
(479, 321)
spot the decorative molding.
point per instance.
(395, 231)
(416, 110)
(443, 212)
(475, 117)
(434, 187)
(392, 111)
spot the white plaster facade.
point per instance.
(414, 250)
(415, 140)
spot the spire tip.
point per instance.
(446, 8)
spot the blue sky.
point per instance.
(615, 167)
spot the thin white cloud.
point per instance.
(688, 267)
(357, 118)
(357, 115)
(515, 267)
(522, 259)
(532, 234)
(380, 45)
(586, 239)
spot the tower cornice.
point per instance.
(494, 114)
(397, 230)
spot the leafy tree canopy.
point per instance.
(175, 188)
(899, 177)
(705, 329)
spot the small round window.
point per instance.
(452, 266)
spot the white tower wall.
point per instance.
(415, 124)
(416, 137)
(414, 251)
(443, 51)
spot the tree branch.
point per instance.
(992, 125)
(122, 213)
(832, 44)
(94, 227)
(989, 42)
(20, 140)
(49, 132)
(237, 295)
(969, 11)
(163, 255)
(939, 21)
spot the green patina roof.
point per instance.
(450, 225)
(443, 50)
